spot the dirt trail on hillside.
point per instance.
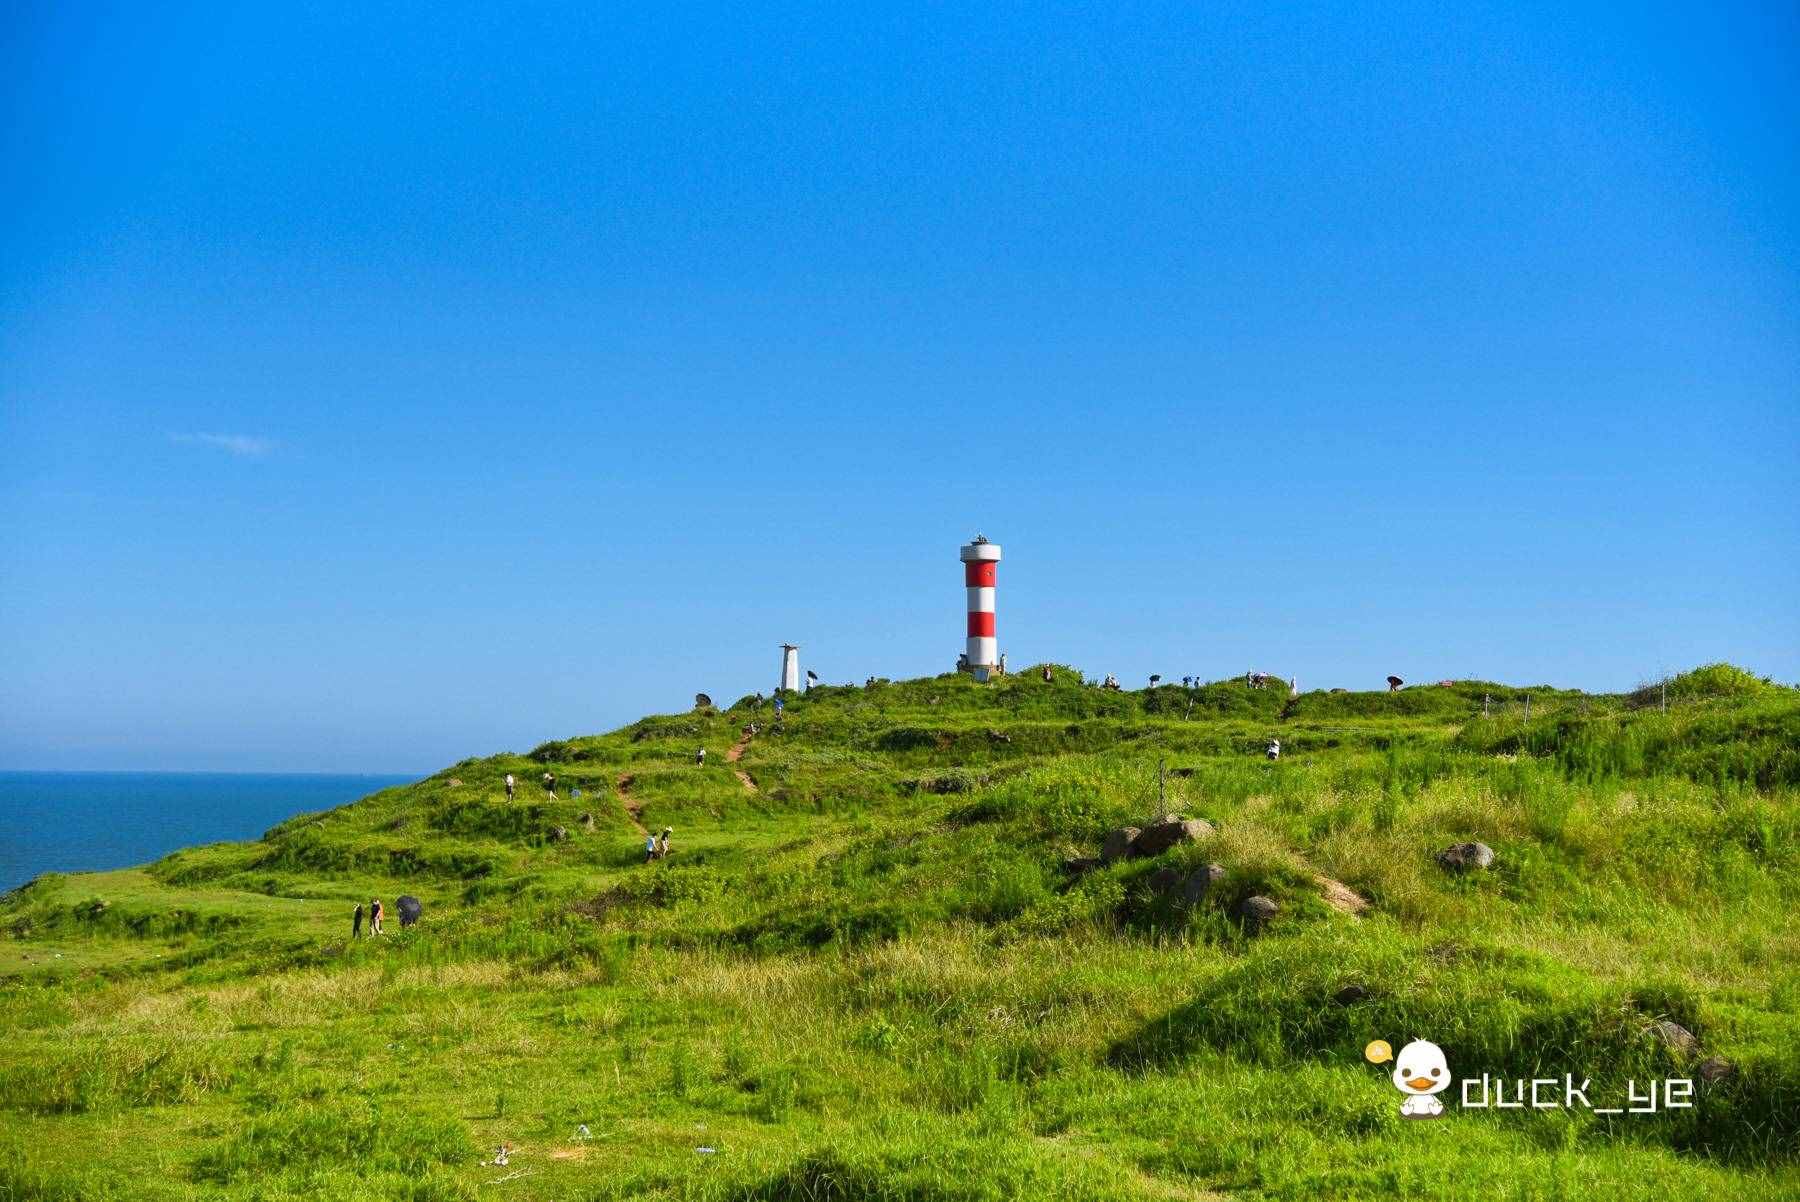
(733, 756)
(634, 809)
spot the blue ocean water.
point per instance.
(78, 821)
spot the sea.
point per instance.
(86, 821)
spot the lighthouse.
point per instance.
(980, 559)
(790, 669)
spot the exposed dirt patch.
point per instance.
(634, 809)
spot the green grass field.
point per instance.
(866, 971)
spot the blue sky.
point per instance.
(378, 389)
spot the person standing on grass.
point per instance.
(649, 848)
(662, 844)
(700, 757)
(356, 922)
(374, 916)
(509, 786)
(550, 783)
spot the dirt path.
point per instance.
(735, 754)
(634, 809)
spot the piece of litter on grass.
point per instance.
(707, 1151)
(582, 1132)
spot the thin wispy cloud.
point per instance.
(245, 446)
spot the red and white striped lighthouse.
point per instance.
(979, 560)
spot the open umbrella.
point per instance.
(409, 908)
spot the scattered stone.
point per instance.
(1256, 910)
(1341, 897)
(998, 736)
(1118, 844)
(1349, 995)
(1464, 857)
(1714, 1069)
(1164, 880)
(586, 820)
(559, 834)
(1675, 1037)
(1200, 883)
(1076, 865)
(1165, 833)
(455, 783)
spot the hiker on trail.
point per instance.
(1394, 683)
(356, 922)
(1046, 673)
(550, 783)
(1274, 749)
(700, 757)
(649, 848)
(778, 708)
(509, 786)
(662, 844)
(375, 916)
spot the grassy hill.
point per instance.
(876, 967)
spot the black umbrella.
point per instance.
(409, 908)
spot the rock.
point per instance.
(1349, 995)
(586, 820)
(1675, 1037)
(1341, 897)
(559, 834)
(998, 736)
(1256, 910)
(455, 783)
(1076, 865)
(1464, 857)
(1118, 844)
(1200, 882)
(1164, 880)
(1714, 1069)
(1165, 833)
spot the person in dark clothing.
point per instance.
(356, 922)
(375, 916)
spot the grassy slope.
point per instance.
(869, 977)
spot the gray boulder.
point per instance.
(1256, 910)
(1714, 1069)
(1167, 832)
(1675, 1037)
(1118, 844)
(1349, 995)
(1466, 857)
(1164, 880)
(559, 834)
(1200, 883)
(1076, 865)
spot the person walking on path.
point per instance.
(1274, 749)
(510, 784)
(550, 783)
(700, 757)
(374, 916)
(649, 848)
(662, 844)
(356, 922)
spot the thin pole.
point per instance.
(1528, 707)
(1665, 696)
(1162, 797)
